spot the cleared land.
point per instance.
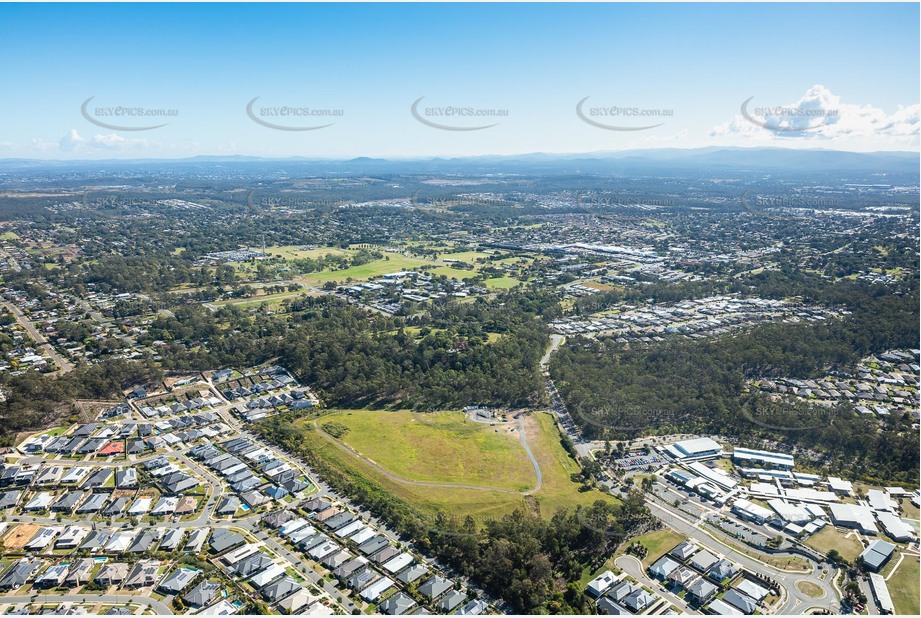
(544, 440)
(829, 538)
(441, 447)
(19, 536)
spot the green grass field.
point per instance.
(657, 543)
(440, 447)
(829, 538)
(385, 266)
(464, 256)
(291, 252)
(904, 587)
(502, 283)
(544, 439)
(909, 509)
(9, 236)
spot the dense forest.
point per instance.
(701, 386)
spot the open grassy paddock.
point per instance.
(440, 447)
(543, 437)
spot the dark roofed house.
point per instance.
(373, 545)
(412, 573)
(278, 518)
(67, 502)
(338, 521)
(117, 506)
(278, 590)
(250, 566)
(451, 600)
(98, 478)
(143, 574)
(315, 505)
(295, 486)
(143, 542)
(20, 573)
(385, 554)
(702, 590)
(178, 581)
(10, 499)
(435, 586)
(741, 601)
(397, 605)
(202, 594)
(224, 540)
(348, 568)
(93, 504)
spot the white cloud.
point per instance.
(73, 141)
(820, 116)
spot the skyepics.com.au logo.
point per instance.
(792, 119)
(778, 419)
(125, 117)
(455, 117)
(618, 118)
(627, 419)
(291, 117)
(110, 201)
(593, 198)
(254, 199)
(759, 204)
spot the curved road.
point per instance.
(400, 479)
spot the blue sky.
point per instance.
(686, 67)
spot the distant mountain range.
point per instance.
(616, 163)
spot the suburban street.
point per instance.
(39, 339)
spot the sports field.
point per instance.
(904, 586)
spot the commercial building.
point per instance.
(767, 459)
(853, 516)
(751, 511)
(696, 449)
(877, 554)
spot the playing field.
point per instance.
(543, 438)
(440, 447)
(904, 586)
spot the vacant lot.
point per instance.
(829, 538)
(543, 438)
(440, 447)
(657, 543)
(19, 536)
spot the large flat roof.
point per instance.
(695, 447)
